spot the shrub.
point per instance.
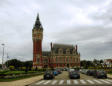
(11, 67)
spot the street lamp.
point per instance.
(3, 56)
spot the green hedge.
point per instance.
(5, 73)
(13, 78)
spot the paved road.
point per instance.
(63, 80)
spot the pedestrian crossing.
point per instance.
(74, 82)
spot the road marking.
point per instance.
(98, 81)
(61, 82)
(105, 81)
(109, 80)
(76, 82)
(90, 81)
(47, 82)
(40, 82)
(82, 81)
(68, 82)
(54, 82)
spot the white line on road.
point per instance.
(40, 82)
(68, 82)
(97, 81)
(75, 82)
(105, 81)
(54, 82)
(47, 82)
(109, 80)
(61, 82)
(82, 81)
(90, 81)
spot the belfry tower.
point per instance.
(37, 36)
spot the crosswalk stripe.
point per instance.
(40, 82)
(90, 81)
(68, 82)
(75, 82)
(82, 81)
(61, 82)
(54, 82)
(105, 81)
(47, 82)
(97, 81)
(109, 80)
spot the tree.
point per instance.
(0, 66)
(19, 64)
(28, 65)
(86, 64)
(14, 62)
(101, 61)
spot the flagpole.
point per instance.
(3, 57)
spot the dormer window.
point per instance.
(60, 51)
(67, 51)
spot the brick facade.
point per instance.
(60, 55)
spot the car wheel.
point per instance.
(105, 76)
(98, 77)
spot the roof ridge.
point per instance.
(63, 44)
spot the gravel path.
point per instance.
(22, 82)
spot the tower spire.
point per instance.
(38, 23)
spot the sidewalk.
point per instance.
(22, 82)
(109, 76)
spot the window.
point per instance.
(60, 51)
(68, 51)
(38, 60)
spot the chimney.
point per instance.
(76, 47)
(51, 46)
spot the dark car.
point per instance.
(100, 74)
(48, 75)
(74, 75)
(90, 72)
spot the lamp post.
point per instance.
(3, 57)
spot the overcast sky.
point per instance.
(87, 23)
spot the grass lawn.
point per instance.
(21, 77)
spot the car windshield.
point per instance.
(74, 72)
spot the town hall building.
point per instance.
(60, 55)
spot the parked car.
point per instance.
(84, 71)
(90, 72)
(48, 75)
(65, 69)
(55, 72)
(74, 75)
(100, 74)
(59, 71)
